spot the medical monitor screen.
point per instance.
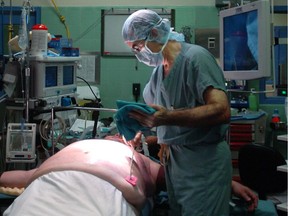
(240, 42)
(68, 75)
(51, 76)
(245, 41)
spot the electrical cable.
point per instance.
(62, 18)
(98, 99)
(3, 144)
(45, 131)
(95, 114)
(91, 27)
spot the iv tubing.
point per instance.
(10, 26)
(69, 108)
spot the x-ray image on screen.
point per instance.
(240, 42)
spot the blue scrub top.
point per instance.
(193, 71)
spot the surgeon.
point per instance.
(187, 90)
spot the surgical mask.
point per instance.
(150, 58)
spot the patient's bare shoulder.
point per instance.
(109, 160)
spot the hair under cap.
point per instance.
(138, 26)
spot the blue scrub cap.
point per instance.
(138, 26)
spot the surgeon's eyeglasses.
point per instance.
(137, 47)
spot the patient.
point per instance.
(89, 177)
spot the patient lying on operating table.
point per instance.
(92, 177)
(89, 177)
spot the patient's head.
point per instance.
(117, 137)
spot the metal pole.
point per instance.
(85, 108)
(52, 128)
(27, 94)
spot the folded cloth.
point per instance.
(127, 126)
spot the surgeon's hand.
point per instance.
(147, 120)
(136, 142)
(245, 193)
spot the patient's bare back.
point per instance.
(109, 160)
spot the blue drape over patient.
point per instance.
(127, 126)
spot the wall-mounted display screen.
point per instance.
(112, 20)
(245, 41)
(240, 41)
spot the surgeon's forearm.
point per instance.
(15, 178)
(203, 116)
(216, 110)
(151, 140)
